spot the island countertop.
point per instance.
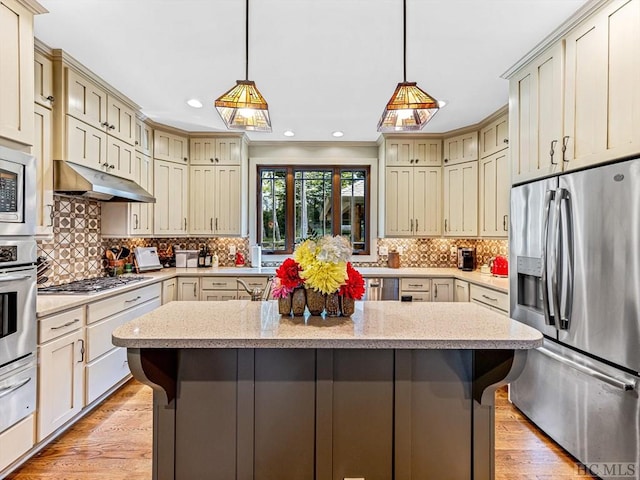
(374, 325)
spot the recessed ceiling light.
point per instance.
(194, 102)
(288, 133)
(337, 133)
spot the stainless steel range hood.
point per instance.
(73, 179)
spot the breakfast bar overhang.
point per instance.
(399, 391)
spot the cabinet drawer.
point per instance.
(218, 283)
(99, 333)
(104, 373)
(415, 284)
(255, 282)
(218, 295)
(418, 296)
(57, 325)
(111, 306)
(16, 441)
(489, 297)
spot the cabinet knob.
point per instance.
(211, 160)
(411, 161)
(217, 159)
(446, 160)
(506, 140)
(51, 98)
(112, 127)
(137, 142)
(112, 166)
(185, 159)
(105, 124)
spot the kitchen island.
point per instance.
(397, 391)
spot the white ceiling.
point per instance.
(322, 65)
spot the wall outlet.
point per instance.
(400, 250)
(453, 252)
(232, 250)
(383, 250)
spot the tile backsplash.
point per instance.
(77, 248)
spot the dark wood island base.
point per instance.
(323, 414)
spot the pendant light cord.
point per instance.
(404, 38)
(246, 43)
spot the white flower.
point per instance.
(334, 249)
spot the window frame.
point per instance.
(336, 202)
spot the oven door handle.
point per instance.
(12, 388)
(12, 278)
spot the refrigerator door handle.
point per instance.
(548, 319)
(592, 372)
(567, 258)
(555, 259)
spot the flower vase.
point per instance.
(315, 301)
(348, 306)
(298, 302)
(284, 305)
(332, 305)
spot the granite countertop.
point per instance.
(49, 304)
(246, 324)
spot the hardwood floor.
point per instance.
(114, 442)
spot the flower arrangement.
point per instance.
(321, 266)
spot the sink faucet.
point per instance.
(257, 294)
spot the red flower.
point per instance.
(354, 288)
(289, 274)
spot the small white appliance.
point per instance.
(147, 259)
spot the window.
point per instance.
(296, 203)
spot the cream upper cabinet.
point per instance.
(602, 74)
(413, 201)
(84, 144)
(494, 195)
(42, 150)
(170, 147)
(17, 65)
(201, 199)
(121, 120)
(535, 100)
(461, 148)
(170, 190)
(43, 80)
(461, 200)
(413, 151)
(494, 137)
(120, 158)
(215, 151)
(86, 101)
(144, 138)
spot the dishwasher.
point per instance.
(381, 289)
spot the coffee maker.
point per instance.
(466, 259)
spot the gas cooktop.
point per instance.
(89, 285)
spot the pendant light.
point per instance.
(243, 107)
(409, 108)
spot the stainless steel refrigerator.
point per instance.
(575, 276)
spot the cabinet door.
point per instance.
(494, 137)
(442, 289)
(461, 199)
(144, 138)
(535, 109)
(42, 150)
(219, 295)
(43, 80)
(427, 152)
(121, 120)
(461, 148)
(121, 158)
(188, 289)
(169, 290)
(16, 81)
(228, 150)
(170, 190)
(179, 148)
(228, 215)
(399, 201)
(60, 381)
(398, 152)
(141, 214)
(202, 191)
(86, 101)
(427, 201)
(170, 147)
(493, 201)
(85, 145)
(461, 291)
(203, 151)
(602, 102)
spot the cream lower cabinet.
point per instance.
(493, 199)
(413, 201)
(491, 299)
(215, 289)
(61, 363)
(189, 289)
(16, 441)
(461, 200)
(170, 186)
(419, 289)
(106, 364)
(460, 291)
(169, 290)
(43, 150)
(442, 289)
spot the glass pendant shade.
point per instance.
(244, 108)
(409, 109)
